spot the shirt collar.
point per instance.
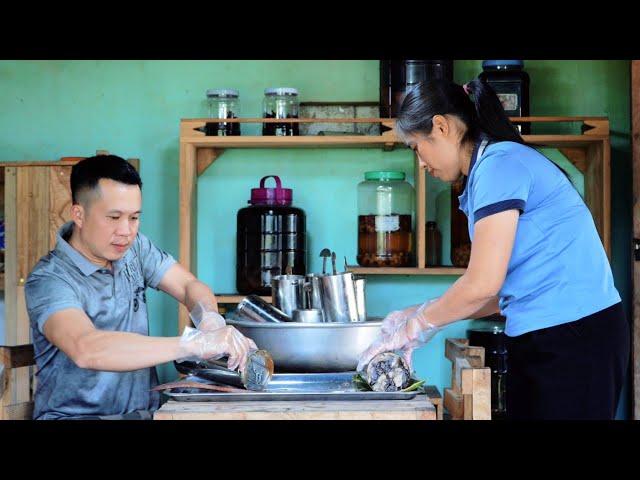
(79, 260)
(474, 153)
(474, 158)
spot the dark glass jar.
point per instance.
(271, 236)
(281, 102)
(223, 103)
(434, 245)
(493, 339)
(460, 240)
(397, 76)
(511, 84)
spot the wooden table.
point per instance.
(422, 407)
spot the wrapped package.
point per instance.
(388, 372)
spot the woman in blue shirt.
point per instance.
(536, 257)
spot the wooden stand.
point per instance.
(422, 407)
(589, 152)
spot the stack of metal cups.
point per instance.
(320, 298)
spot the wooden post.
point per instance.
(421, 214)
(188, 216)
(635, 137)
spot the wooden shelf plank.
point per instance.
(2, 281)
(363, 141)
(317, 141)
(536, 119)
(406, 270)
(236, 298)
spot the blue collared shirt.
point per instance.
(113, 301)
(558, 271)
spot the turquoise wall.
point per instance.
(50, 109)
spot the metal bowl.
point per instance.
(312, 347)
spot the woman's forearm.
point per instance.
(464, 299)
(490, 308)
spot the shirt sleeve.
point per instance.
(154, 261)
(501, 182)
(45, 294)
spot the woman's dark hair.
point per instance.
(480, 110)
(86, 174)
(476, 104)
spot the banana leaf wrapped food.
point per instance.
(387, 372)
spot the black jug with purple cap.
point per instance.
(271, 238)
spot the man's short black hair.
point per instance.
(86, 174)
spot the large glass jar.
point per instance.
(280, 102)
(385, 220)
(223, 103)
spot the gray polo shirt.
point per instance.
(114, 301)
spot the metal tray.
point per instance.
(291, 386)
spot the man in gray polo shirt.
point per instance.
(87, 306)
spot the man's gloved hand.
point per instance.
(213, 339)
(206, 318)
(402, 331)
(212, 345)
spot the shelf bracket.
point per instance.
(595, 127)
(206, 156)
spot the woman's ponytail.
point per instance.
(490, 115)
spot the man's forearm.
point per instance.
(122, 351)
(196, 291)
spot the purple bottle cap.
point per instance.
(271, 196)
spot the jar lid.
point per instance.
(384, 175)
(502, 63)
(281, 91)
(222, 92)
(271, 196)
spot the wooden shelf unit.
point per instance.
(589, 152)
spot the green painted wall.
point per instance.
(50, 109)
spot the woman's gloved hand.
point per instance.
(402, 331)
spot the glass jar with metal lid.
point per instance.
(282, 102)
(223, 103)
(385, 220)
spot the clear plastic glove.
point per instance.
(402, 331)
(213, 338)
(206, 318)
(211, 345)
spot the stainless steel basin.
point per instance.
(312, 347)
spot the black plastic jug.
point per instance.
(271, 239)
